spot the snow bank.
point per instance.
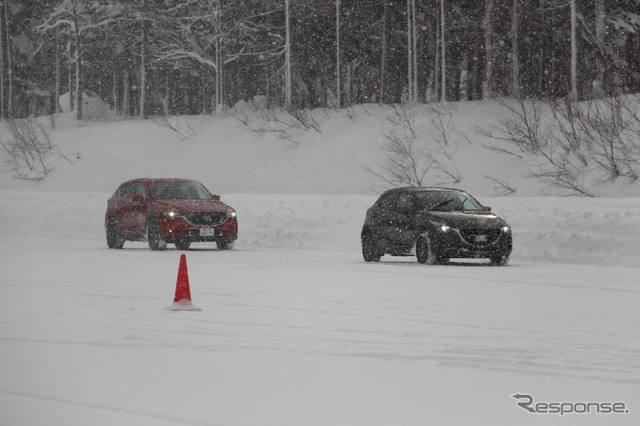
(92, 106)
(546, 229)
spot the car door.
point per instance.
(132, 207)
(383, 215)
(394, 218)
(402, 227)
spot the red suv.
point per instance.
(161, 211)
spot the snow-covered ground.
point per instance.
(295, 328)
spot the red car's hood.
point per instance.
(190, 206)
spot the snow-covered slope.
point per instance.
(247, 151)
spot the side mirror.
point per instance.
(486, 208)
(216, 197)
(138, 197)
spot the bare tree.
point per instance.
(80, 18)
(27, 148)
(419, 146)
(572, 145)
(216, 33)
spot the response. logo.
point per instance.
(527, 403)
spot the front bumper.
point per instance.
(176, 228)
(452, 244)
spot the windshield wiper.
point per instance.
(442, 204)
(460, 207)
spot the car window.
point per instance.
(140, 189)
(405, 203)
(179, 191)
(446, 201)
(389, 201)
(128, 190)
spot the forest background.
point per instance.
(168, 57)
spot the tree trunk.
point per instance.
(338, 94)
(443, 50)
(70, 72)
(515, 57)
(143, 65)
(601, 16)
(489, 50)
(166, 99)
(414, 37)
(2, 110)
(409, 55)
(58, 107)
(78, 73)
(574, 53)
(114, 91)
(464, 79)
(287, 56)
(436, 68)
(143, 73)
(125, 93)
(383, 54)
(9, 64)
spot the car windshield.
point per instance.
(179, 191)
(446, 201)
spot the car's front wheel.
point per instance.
(183, 244)
(154, 235)
(225, 245)
(369, 252)
(424, 253)
(114, 240)
(500, 260)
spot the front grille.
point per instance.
(480, 237)
(206, 218)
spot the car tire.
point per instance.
(500, 260)
(154, 235)
(224, 245)
(182, 244)
(114, 239)
(369, 248)
(424, 253)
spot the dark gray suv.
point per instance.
(435, 224)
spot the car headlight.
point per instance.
(232, 214)
(172, 213)
(505, 229)
(442, 227)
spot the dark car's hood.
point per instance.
(190, 206)
(465, 219)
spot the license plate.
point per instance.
(482, 238)
(207, 232)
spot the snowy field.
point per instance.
(295, 328)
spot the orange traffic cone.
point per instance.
(182, 300)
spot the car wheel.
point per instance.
(224, 245)
(424, 254)
(369, 248)
(500, 260)
(114, 240)
(154, 235)
(183, 244)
